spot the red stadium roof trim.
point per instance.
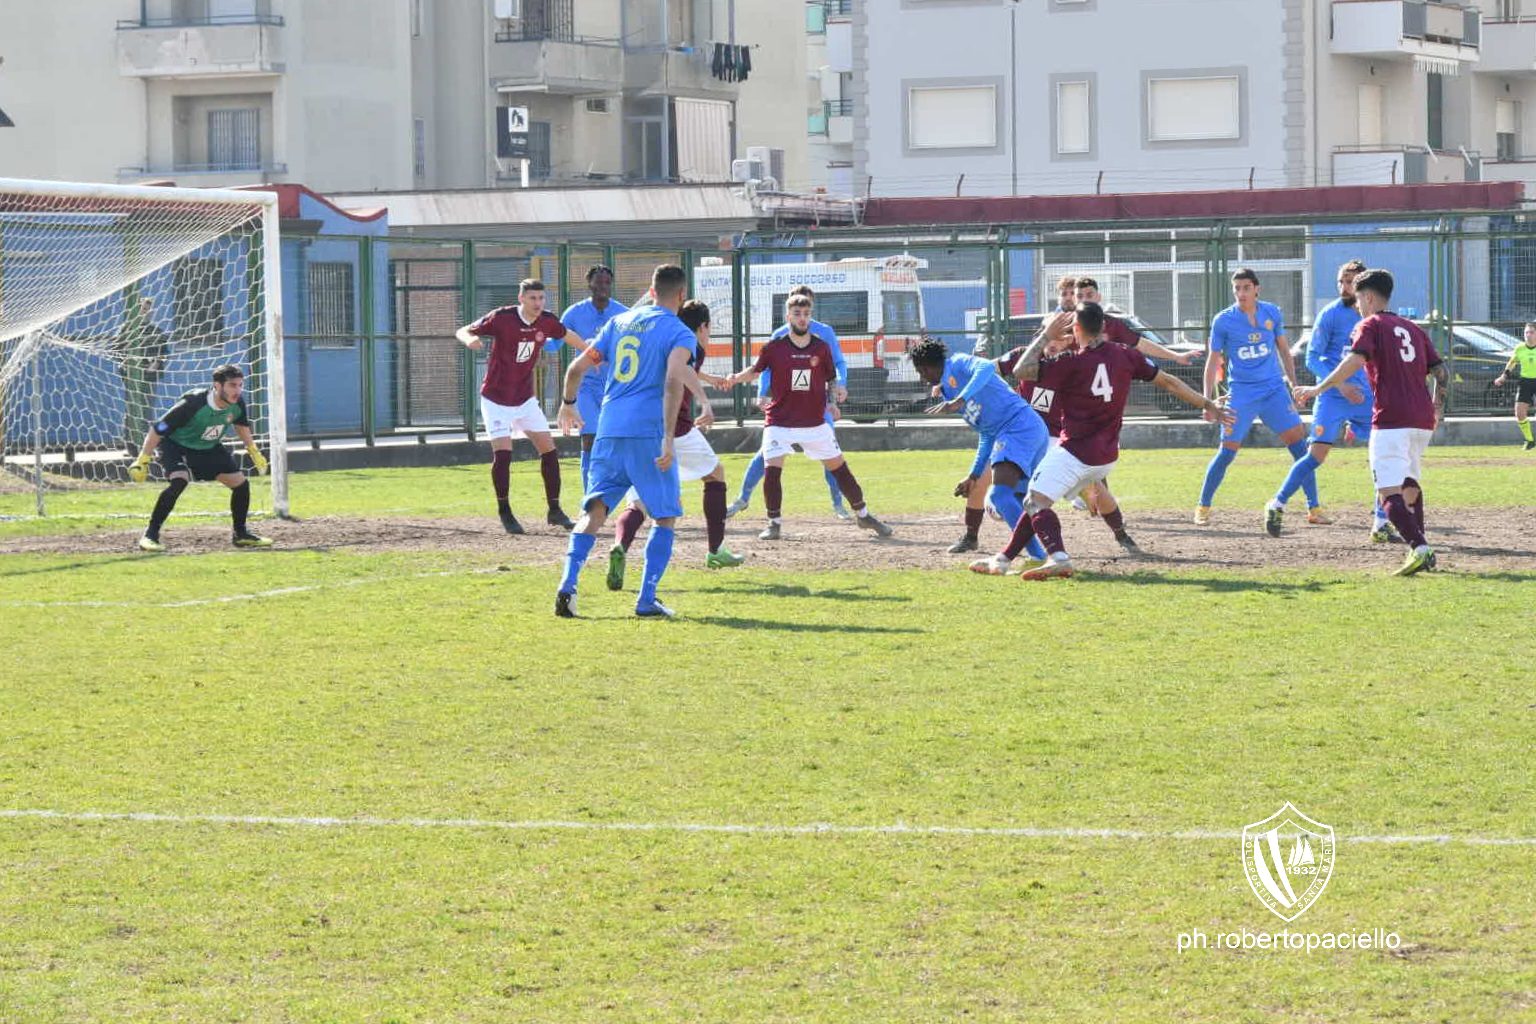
(288, 203)
(1274, 202)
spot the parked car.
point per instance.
(1478, 354)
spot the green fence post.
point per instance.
(367, 355)
(739, 312)
(467, 311)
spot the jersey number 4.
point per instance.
(626, 359)
(1405, 344)
(1101, 385)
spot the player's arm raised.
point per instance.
(1027, 367)
(1147, 347)
(469, 338)
(1214, 410)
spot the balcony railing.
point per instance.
(838, 108)
(839, 8)
(213, 19)
(229, 168)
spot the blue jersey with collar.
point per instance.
(1251, 348)
(1329, 345)
(636, 346)
(586, 320)
(990, 404)
(826, 334)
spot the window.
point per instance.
(1506, 127)
(815, 18)
(952, 117)
(1434, 130)
(332, 303)
(419, 148)
(844, 312)
(234, 139)
(899, 313)
(1074, 117)
(1206, 108)
(539, 163)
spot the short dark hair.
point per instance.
(229, 371)
(1376, 280)
(803, 289)
(1087, 282)
(930, 351)
(668, 280)
(600, 268)
(530, 284)
(1356, 266)
(1246, 274)
(1091, 316)
(694, 314)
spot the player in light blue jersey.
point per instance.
(648, 351)
(1013, 439)
(590, 314)
(1248, 345)
(757, 467)
(1349, 405)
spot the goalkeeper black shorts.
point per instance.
(201, 463)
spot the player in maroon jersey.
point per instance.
(507, 402)
(696, 460)
(1092, 387)
(1398, 356)
(801, 367)
(1119, 332)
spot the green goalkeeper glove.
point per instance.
(258, 462)
(138, 471)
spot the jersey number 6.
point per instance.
(626, 359)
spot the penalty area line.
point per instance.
(812, 828)
(257, 595)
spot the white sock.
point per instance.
(864, 512)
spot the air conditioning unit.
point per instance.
(747, 170)
(771, 159)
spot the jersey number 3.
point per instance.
(1405, 343)
(626, 359)
(1101, 385)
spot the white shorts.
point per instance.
(1061, 473)
(694, 456)
(818, 442)
(513, 420)
(1396, 454)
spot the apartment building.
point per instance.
(1072, 96)
(397, 94)
(829, 121)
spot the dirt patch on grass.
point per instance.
(1481, 540)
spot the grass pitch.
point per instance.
(508, 798)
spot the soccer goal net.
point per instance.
(115, 301)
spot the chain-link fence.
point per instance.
(371, 349)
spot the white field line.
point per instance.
(257, 595)
(815, 828)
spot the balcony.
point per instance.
(1435, 36)
(1509, 47)
(574, 66)
(200, 48)
(839, 114)
(1404, 165)
(675, 72)
(207, 175)
(1521, 169)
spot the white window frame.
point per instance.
(1087, 118)
(912, 137)
(1153, 81)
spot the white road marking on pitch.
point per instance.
(814, 828)
(253, 596)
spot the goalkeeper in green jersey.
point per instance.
(190, 440)
(1523, 358)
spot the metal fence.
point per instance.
(371, 352)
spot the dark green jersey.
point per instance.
(193, 422)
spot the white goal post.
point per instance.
(114, 301)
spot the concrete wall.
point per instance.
(769, 111)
